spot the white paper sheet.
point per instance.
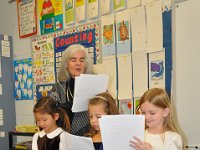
(125, 77)
(109, 68)
(154, 26)
(105, 6)
(97, 68)
(80, 11)
(118, 130)
(93, 9)
(140, 73)
(138, 26)
(87, 86)
(144, 2)
(79, 143)
(133, 3)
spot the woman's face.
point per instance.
(76, 64)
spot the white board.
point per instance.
(186, 67)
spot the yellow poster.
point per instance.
(50, 15)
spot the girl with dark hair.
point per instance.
(53, 123)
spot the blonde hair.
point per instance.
(107, 101)
(160, 98)
(64, 74)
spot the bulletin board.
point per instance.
(7, 103)
(47, 52)
(113, 39)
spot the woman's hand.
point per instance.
(139, 144)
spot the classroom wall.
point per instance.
(22, 49)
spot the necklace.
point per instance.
(69, 94)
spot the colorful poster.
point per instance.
(126, 106)
(23, 89)
(43, 59)
(43, 90)
(157, 69)
(51, 15)
(119, 4)
(123, 32)
(108, 35)
(136, 105)
(69, 12)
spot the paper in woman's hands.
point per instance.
(118, 130)
(86, 87)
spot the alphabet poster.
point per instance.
(43, 59)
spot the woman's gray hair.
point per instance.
(64, 74)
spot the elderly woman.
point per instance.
(75, 61)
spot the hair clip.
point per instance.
(101, 97)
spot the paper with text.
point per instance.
(118, 130)
(87, 86)
(78, 142)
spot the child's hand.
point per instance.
(140, 145)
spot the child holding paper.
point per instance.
(161, 131)
(101, 104)
(53, 122)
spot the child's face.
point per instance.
(46, 121)
(154, 116)
(95, 112)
